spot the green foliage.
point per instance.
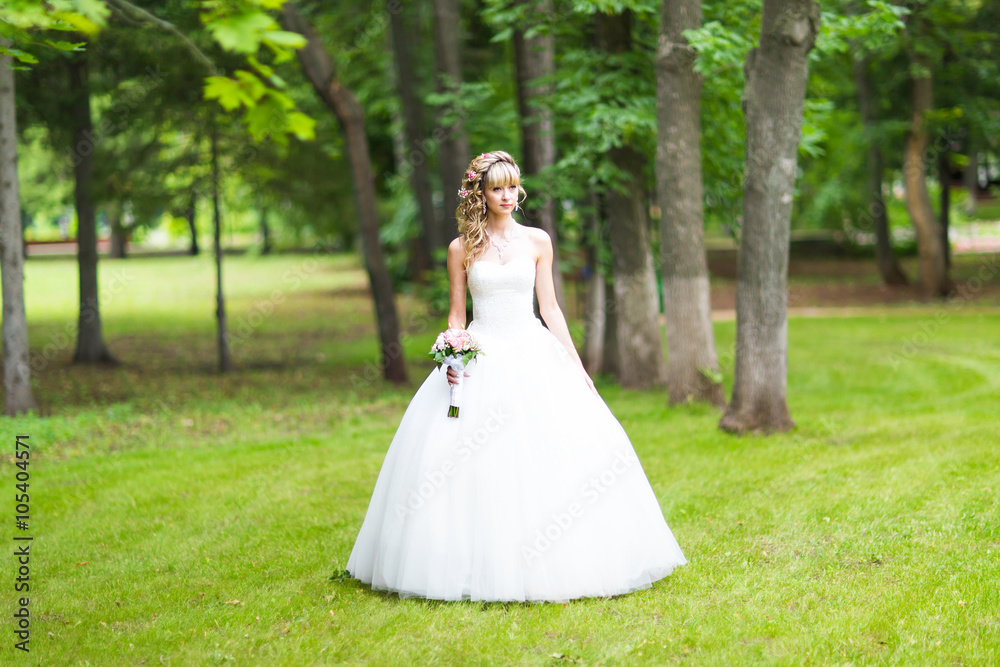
(606, 101)
(45, 184)
(23, 19)
(729, 31)
(154, 155)
(639, 7)
(244, 27)
(269, 112)
(868, 32)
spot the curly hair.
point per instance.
(488, 170)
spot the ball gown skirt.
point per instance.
(534, 493)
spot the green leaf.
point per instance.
(227, 91)
(281, 99)
(263, 69)
(258, 119)
(503, 35)
(302, 126)
(94, 10)
(65, 46)
(19, 54)
(77, 22)
(242, 33)
(283, 39)
(253, 86)
(269, 4)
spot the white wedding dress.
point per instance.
(533, 493)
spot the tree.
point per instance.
(20, 20)
(18, 397)
(692, 369)
(888, 267)
(594, 315)
(90, 346)
(934, 279)
(534, 56)
(453, 153)
(635, 295)
(318, 67)
(189, 217)
(776, 75)
(413, 123)
(225, 361)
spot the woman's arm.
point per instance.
(548, 305)
(456, 282)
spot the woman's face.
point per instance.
(500, 200)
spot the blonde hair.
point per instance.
(488, 170)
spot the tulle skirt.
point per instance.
(534, 493)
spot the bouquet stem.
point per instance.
(456, 394)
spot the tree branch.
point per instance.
(124, 8)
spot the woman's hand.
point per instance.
(453, 376)
(590, 383)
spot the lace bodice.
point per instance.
(502, 294)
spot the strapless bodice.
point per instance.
(502, 294)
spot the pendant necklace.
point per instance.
(499, 248)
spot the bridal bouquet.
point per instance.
(456, 348)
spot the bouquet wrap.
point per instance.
(457, 363)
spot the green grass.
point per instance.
(182, 518)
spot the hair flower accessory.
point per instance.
(485, 155)
(472, 175)
(463, 193)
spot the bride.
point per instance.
(535, 491)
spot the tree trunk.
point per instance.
(119, 235)
(944, 177)
(971, 178)
(692, 367)
(593, 337)
(534, 60)
(225, 361)
(888, 266)
(90, 347)
(414, 162)
(776, 75)
(189, 216)
(640, 350)
(611, 358)
(933, 268)
(265, 232)
(453, 152)
(16, 368)
(319, 68)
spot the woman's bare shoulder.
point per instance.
(456, 251)
(541, 241)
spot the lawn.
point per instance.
(181, 517)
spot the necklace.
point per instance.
(499, 248)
